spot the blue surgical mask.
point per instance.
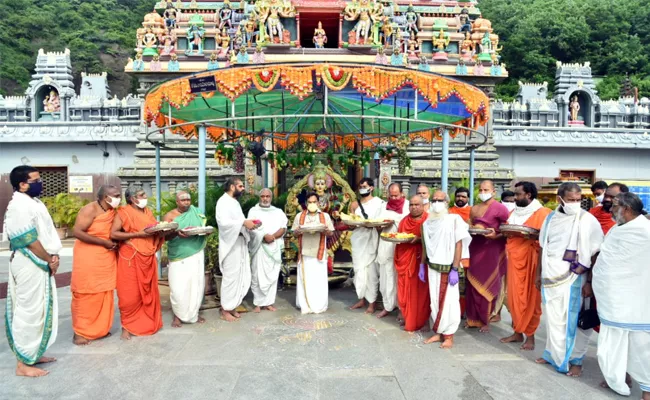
(35, 189)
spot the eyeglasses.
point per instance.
(438, 201)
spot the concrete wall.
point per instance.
(89, 158)
(610, 164)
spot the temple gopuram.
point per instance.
(446, 38)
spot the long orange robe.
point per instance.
(137, 275)
(94, 270)
(604, 218)
(524, 300)
(412, 294)
(464, 214)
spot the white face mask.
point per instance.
(114, 202)
(312, 207)
(485, 196)
(600, 198)
(511, 206)
(142, 203)
(437, 207)
(364, 191)
(425, 200)
(570, 208)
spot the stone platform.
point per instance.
(337, 355)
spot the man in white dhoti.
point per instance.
(32, 316)
(364, 247)
(396, 209)
(234, 261)
(621, 279)
(570, 237)
(266, 247)
(444, 236)
(186, 271)
(312, 287)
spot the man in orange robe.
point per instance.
(461, 207)
(94, 268)
(412, 284)
(603, 211)
(137, 275)
(524, 299)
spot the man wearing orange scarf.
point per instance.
(412, 284)
(603, 211)
(137, 275)
(461, 207)
(94, 268)
(524, 300)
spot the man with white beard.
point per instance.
(396, 209)
(234, 261)
(266, 248)
(364, 247)
(444, 236)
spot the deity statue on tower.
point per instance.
(269, 12)
(150, 42)
(173, 65)
(386, 32)
(412, 19)
(195, 35)
(258, 56)
(168, 42)
(225, 15)
(212, 62)
(320, 38)
(464, 21)
(170, 16)
(366, 13)
(52, 103)
(440, 43)
(574, 108)
(223, 41)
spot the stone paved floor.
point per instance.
(337, 355)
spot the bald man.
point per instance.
(266, 248)
(186, 260)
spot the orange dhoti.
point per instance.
(93, 282)
(137, 276)
(524, 300)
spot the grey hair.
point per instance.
(266, 190)
(568, 187)
(132, 192)
(630, 200)
(101, 193)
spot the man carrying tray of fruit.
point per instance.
(186, 260)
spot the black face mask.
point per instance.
(607, 205)
(522, 203)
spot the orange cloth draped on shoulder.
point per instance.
(412, 293)
(604, 218)
(464, 214)
(524, 300)
(94, 270)
(137, 275)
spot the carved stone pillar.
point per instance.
(172, 187)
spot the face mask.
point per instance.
(510, 206)
(425, 200)
(437, 207)
(312, 207)
(35, 189)
(571, 208)
(607, 205)
(142, 203)
(114, 201)
(364, 192)
(600, 198)
(485, 196)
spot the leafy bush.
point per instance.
(64, 208)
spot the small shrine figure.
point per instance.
(414, 47)
(212, 62)
(386, 32)
(150, 42)
(225, 15)
(173, 65)
(195, 35)
(320, 38)
(367, 13)
(464, 21)
(170, 16)
(411, 20)
(397, 59)
(138, 64)
(224, 43)
(424, 63)
(242, 56)
(495, 68)
(574, 108)
(479, 70)
(467, 47)
(258, 56)
(52, 103)
(461, 68)
(232, 60)
(168, 42)
(397, 40)
(155, 64)
(381, 58)
(440, 43)
(486, 49)
(250, 30)
(238, 42)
